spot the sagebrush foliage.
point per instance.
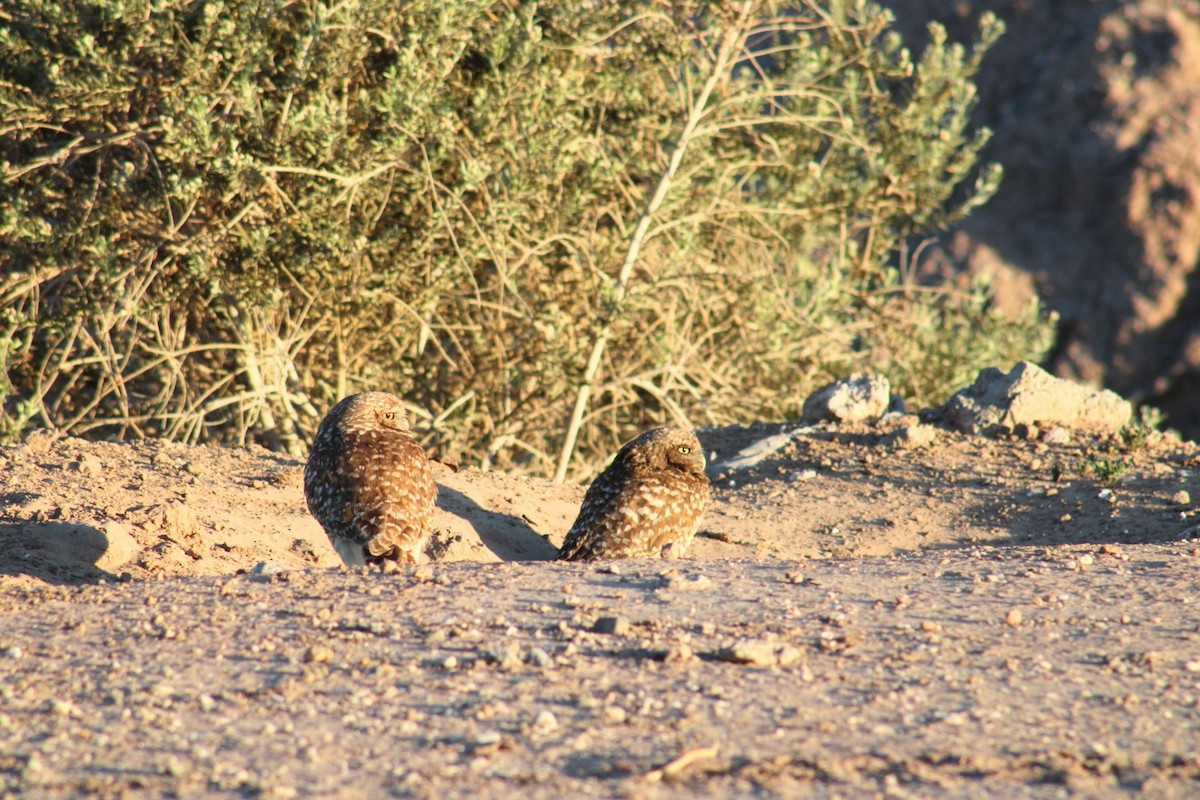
(218, 218)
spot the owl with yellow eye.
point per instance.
(646, 504)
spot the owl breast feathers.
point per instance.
(647, 504)
(368, 481)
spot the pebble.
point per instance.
(507, 657)
(63, 708)
(87, 465)
(1014, 618)
(545, 722)
(1182, 498)
(1057, 435)
(485, 742)
(912, 437)
(540, 658)
(317, 654)
(760, 653)
(616, 626)
(266, 568)
(689, 583)
(175, 767)
(613, 715)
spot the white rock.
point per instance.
(1029, 395)
(855, 398)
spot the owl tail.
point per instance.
(403, 547)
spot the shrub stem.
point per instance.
(730, 45)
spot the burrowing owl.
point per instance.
(368, 481)
(647, 504)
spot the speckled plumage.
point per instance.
(647, 504)
(368, 481)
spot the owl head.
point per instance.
(662, 449)
(370, 411)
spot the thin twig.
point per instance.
(720, 71)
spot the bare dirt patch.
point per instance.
(861, 616)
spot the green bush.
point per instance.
(219, 218)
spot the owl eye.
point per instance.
(684, 449)
(389, 415)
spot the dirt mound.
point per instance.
(77, 511)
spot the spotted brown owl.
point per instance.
(368, 481)
(647, 504)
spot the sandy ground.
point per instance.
(974, 617)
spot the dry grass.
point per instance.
(547, 229)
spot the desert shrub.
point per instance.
(532, 219)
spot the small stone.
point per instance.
(911, 437)
(1181, 498)
(1057, 435)
(63, 708)
(616, 626)
(161, 691)
(788, 655)
(545, 722)
(317, 654)
(679, 652)
(35, 771)
(759, 653)
(1027, 431)
(613, 715)
(87, 465)
(1086, 560)
(506, 657)
(485, 743)
(686, 583)
(854, 398)
(1014, 618)
(540, 658)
